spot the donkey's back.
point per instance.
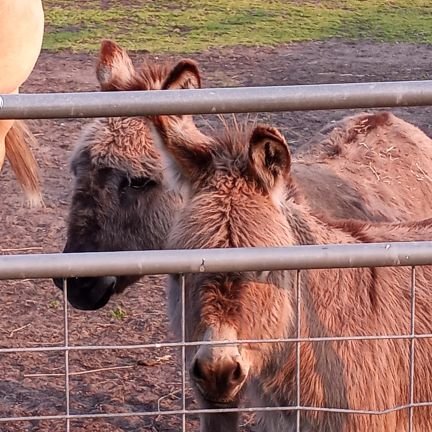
(370, 167)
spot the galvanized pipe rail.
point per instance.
(215, 260)
(217, 100)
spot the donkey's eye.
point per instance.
(141, 183)
(137, 183)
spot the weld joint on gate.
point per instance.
(202, 266)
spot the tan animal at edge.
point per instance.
(21, 33)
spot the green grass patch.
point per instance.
(118, 313)
(192, 25)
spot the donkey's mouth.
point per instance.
(90, 293)
(221, 403)
(103, 300)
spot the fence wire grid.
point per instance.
(67, 416)
(234, 100)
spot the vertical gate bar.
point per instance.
(183, 349)
(66, 344)
(298, 333)
(412, 349)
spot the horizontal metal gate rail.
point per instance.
(217, 100)
(215, 260)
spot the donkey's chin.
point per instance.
(214, 404)
(96, 297)
(218, 401)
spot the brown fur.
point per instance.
(18, 144)
(236, 200)
(365, 167)
(385, 160)
(123, 144)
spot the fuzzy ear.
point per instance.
(185, 150)
(184, 75)
(269, 156)
(114, 69)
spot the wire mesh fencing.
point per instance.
(331, 256)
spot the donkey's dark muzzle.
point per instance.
(88, 293)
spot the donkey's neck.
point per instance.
(329, 297)
(309, 229)
(347, 288)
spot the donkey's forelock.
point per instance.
(231, 143)
(121, 143)
(195, 157)
(151, 76)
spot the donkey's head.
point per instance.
(118, 201)
(235, 190)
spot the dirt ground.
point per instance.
(31, 311)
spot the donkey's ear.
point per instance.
(114, 69)
(269, 155)
(184, 149)
(184, 75)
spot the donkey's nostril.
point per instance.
(218, 380)
(237, 373)
(197, 371)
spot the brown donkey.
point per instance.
(368, 167)
(240, 192)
